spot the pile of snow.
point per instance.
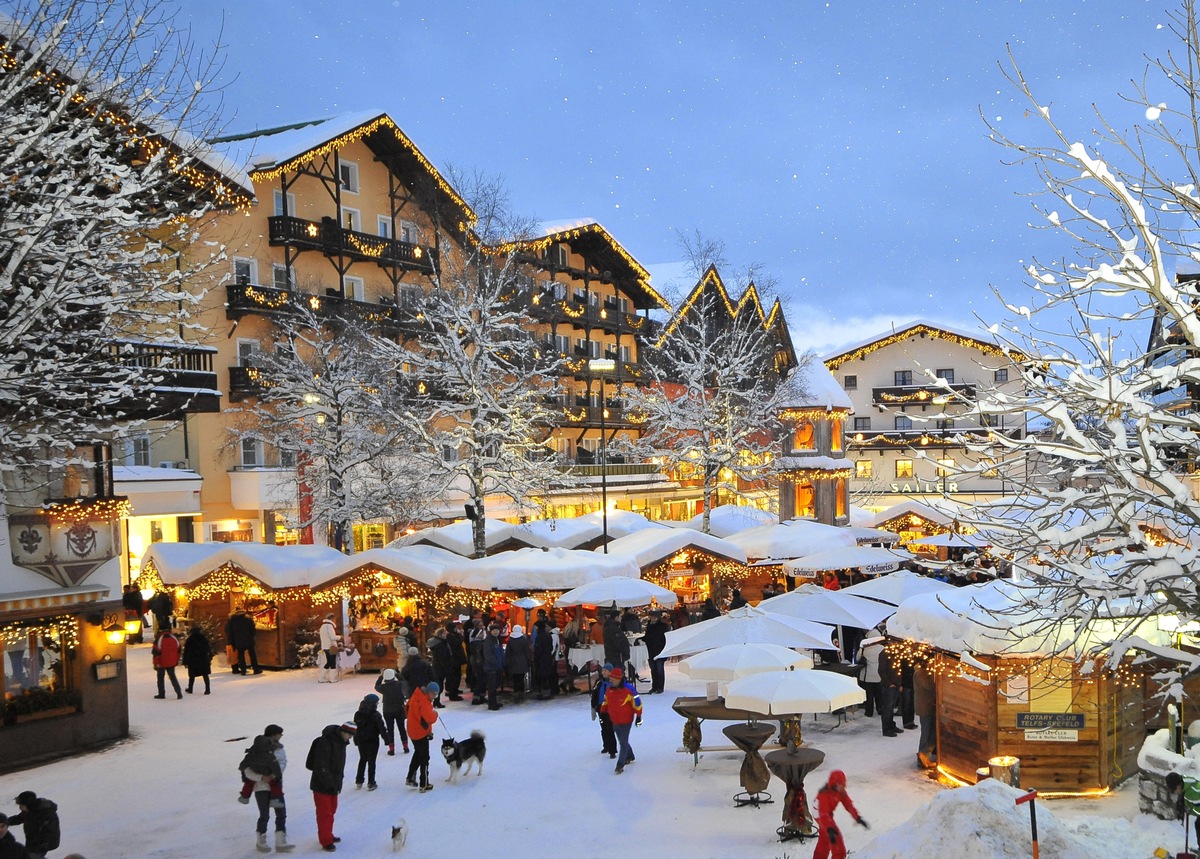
(984, 822)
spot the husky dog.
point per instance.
(399, 835)
(460, 756)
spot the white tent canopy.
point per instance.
(865, 536)
(833, 607)
(621, 591)
(747, 625)
(895, 588)
(536, 569)
(868, 560)
(952, 540)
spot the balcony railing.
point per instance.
(243, 298)
(544, 306)
(921, 395)
(332, 239)
(933, 438)
(185, 381)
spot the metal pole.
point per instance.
(603, 467)
(1031, 798)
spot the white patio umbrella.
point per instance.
(790, 693)
(864, 535)
(741, 660)
(868, 560)
(833, 607)
(619, 591)
(747, 625)
(895, 588)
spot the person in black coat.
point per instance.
(240, 633)
(656, 641)
(417, 673)
(327, 761)
(889, 687)
(391, 689)
(371, 730)
(518, 655)
(458, 659)
(132, 602)
(545, 661)
(10, 847)
(710, 610)
(443, 659)
(197, 657)
(161, 605)
(616, 645)
(39, 816)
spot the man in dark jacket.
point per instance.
(493, 665)
(458, 658)
(656, 641)
(391, 690)
(240, 633)
(327, 761)
(889, 688)
(417, 673)
(616, 645)
(161, 605)
(443, 659)
(40, 818)
(10, 847)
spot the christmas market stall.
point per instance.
(211, 581)
(459, 537)
(1025, 692)
(380, 587)
(692, 564)
(912, 520)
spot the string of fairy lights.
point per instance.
(921, 330)
(64, 629)
(88, 509)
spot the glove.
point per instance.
(638, 722)
(862, 823)
(832, 834)
(424, 724)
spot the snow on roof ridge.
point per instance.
(562, 225)
(981, 335)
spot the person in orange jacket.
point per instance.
(829, 837)
(421, 717)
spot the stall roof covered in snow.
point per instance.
(536, 570)
(622, 522)
(458, 537)
(558, 533)
(941, 512)
(421, 564)
(651, 547)
(728, 519)
(792, 539)
(276, 567)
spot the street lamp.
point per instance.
(599, 367)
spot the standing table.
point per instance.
(791, 768)
(754, 775)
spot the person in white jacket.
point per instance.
(329, 646)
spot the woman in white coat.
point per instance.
(329, 647)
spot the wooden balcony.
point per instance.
(544, 306)
(925, 438)
(244, 298)
(184, 381)
(331, 239)
(922, 395)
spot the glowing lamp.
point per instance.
(133, 627)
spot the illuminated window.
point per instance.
(945, 467)
(840, 496)
(989, 469)
(904, 468)
(836, 440)
(805, 500)
(863, 469)
(803, 437)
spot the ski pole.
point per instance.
(1031, 798)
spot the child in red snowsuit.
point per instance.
(829, 837)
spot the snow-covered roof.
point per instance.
(815, 462)
(622, 522)
(980, 338)
(276, 567)
(421, 564)
(559, 533)
(941, 511)
(819, 390)
(458, 537)
(728, 519)
(150, 474)
(536, 570)
(792, 539)
(652, 546)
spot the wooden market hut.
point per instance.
(212, 580)
(688, 562)
(1075, 727)
(380, 586)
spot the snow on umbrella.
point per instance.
(866, 559)
(747, 625)
(833, 607)
(895, 588)
(952, 540)
(865, 536)
(741, 660)
(619, 591)
(790, 693)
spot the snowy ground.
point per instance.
(170, 790)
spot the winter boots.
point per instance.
(261, 844)
(327, 675)
(281, 842)
(391, 748)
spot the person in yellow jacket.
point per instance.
(421, 717)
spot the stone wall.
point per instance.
(1153, 797)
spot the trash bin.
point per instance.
(982, 773)
(1006, 769)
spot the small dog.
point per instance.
(399, 835)
(460, 756)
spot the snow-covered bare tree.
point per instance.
(1111, 343)
(331, 400)
(717, 380)
(102, 107)
(483, 378)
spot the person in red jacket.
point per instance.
(166, 657)
(623, 706)
(829, 837)
(421, 717)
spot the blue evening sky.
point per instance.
(837, 144)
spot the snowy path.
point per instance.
(170, 791)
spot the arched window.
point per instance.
(837, 434)
(805, 500)
(803, 437)
(840, 491)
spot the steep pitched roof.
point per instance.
(936, 331)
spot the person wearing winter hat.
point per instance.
(371, 730)
(9, 845)
(518, 656)
(39, 816)
(388, 685)
(608, 739)
(623, 706)
(327, 762)
(442, 658)
(421, 716)
(417, 672)
(327, 673)
(829, 837)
